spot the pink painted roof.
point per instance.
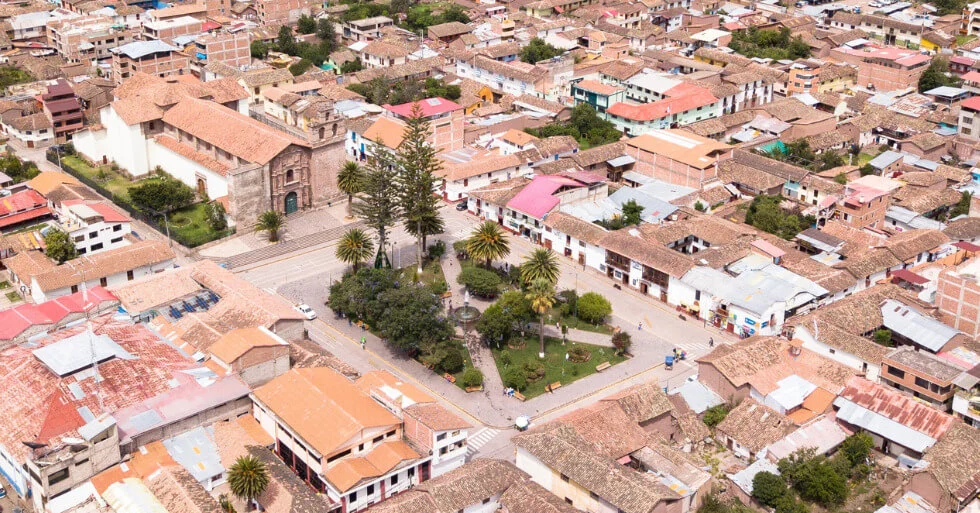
(972, 76)
(537, 198)
(961, 60)
(662, 108)
(14, 321)
(429, 106)
(768, 248)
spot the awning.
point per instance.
(909, 276)
(621, 161)
(24, 216)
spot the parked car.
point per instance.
(3, 492)
(461, 206)
(306, 311)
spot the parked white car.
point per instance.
(306, 311)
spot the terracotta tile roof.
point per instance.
(501, 192)
(955, 461)
(910, 243)
(243, 137)
(953, 175)
(386, 131)
(590, 233)
(966, 228)
(897, 406)
(479, 165)
(606, 429)
(871, 262)
(453, 28)
(234, 344)
(383, 49)
(89, 267)
(647, 252)
(267, 76)
(732, 172)
(530, 497)
(323, 407)
(348, 472)
(191, 154)
(564, 451)
(762, 361)
(923, 202)
(695, 151)
(179, 491)
(31, 122)
(436, 417)
(642, 403)
(755, 426)
(599, 154)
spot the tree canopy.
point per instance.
(538, 50)
(377, 203)
(766, 214)
(161, 195)
(59, 246)
(770, 44)
(937, 75)
(380, 90)
(584, 125)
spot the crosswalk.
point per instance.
(479, 439)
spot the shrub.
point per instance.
(215, 213)
(788, 504)
(534, 370)
(714, 415)
(593, 308)
(856, 448)
(472, 378)
(515, 378)
(622, 342)
(883, 337)
(480, 282)
(452, 362)
(505, 357)
(768, 488)
(460, 248)
(437, 250)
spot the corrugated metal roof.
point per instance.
(697, 396)
(790, 394)
(823, 435)
(882, 426)
(197, 452)
(909, 323)
(744, 478)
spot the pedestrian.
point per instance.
(639, 327)
(363, 342)
(711, 342)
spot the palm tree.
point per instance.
(488, 242)
(540, 265)
(248, 478)
(271, 221)
(355, 247)
(350, 180)
(541, 294)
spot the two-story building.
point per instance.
(366, 29)
(358, 443)
(94, 225)
(925, 376)
(596, 94)
(153, 57)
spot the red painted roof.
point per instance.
(662, 108)
(21, 217)
(429, 106)
(967, 246)
(209, 26)
(14, 321)
(909, 276)
(972, 103)
(22, 200)
(108, 213)
(961, 60)
(972, 76)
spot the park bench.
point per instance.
(474, 389)
(449, 377)
(519, 395)
(554, 386)
(602, 366)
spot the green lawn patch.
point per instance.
(4, 285)
(574, 323)
(32, 228)
(13, 297)
(963, 39)
(189, 226)
(113, 181)
(554, 362)
(864, 158)
(432, 275)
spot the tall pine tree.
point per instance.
(417, 182)
(378, 202)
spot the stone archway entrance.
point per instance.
(292, 203)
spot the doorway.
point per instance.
(202, 187)
(292, 203)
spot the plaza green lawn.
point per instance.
(113, 181)
(432, 274)
(190, 227)
(554, 362)
(574, 323)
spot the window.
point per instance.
(74, 289)
(117, 228)
(337, 456)
(129, 275)
(411, 472)
(290, 176)
(360, 448)
(352, 497)
(394, 479)
(441, 437)
(93, 235)
(80, 238)
(564, 478)
(103, 281)
(370, 489)
(96, 247)
(390, 433)
(116, 240)
(919, 382)
(569, 501)
(58, 476)
(898, 373)
(593, 495)
(378, 439)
